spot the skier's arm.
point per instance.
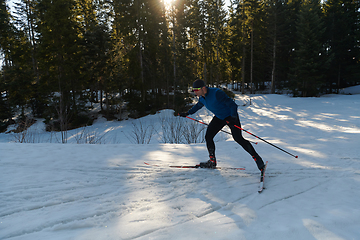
(195, 108)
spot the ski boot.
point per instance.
(211, 163)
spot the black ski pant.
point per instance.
(216, 125)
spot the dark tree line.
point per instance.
(60, 57)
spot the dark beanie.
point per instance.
(198, 83)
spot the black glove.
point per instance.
(231, 121)
(183, 114)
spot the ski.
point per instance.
(195, 166)
(262, 177)
(198, 166)
(190, 166)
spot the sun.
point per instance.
(168, 3)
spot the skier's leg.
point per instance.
(237, 135)
(214, 127)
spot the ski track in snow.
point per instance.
(71, 191)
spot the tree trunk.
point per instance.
(252, 59)
(274, 62)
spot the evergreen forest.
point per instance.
(60, 57)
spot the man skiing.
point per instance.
(225, 111)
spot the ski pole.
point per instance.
(265, 141)
(208, 125)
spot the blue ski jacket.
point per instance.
(217, 102)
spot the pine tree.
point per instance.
(287, 42)
(6, 29)
(259, 64)
(138, 27)
(309, 63)
(17, 72)
(96, 45)
(235, 43)
(275, 28)
(342, 19)
(243, 20)
(60, 52)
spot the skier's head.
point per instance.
(199, 88)
(197, 85)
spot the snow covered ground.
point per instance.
(105, 191)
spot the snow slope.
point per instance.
(104, 191)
